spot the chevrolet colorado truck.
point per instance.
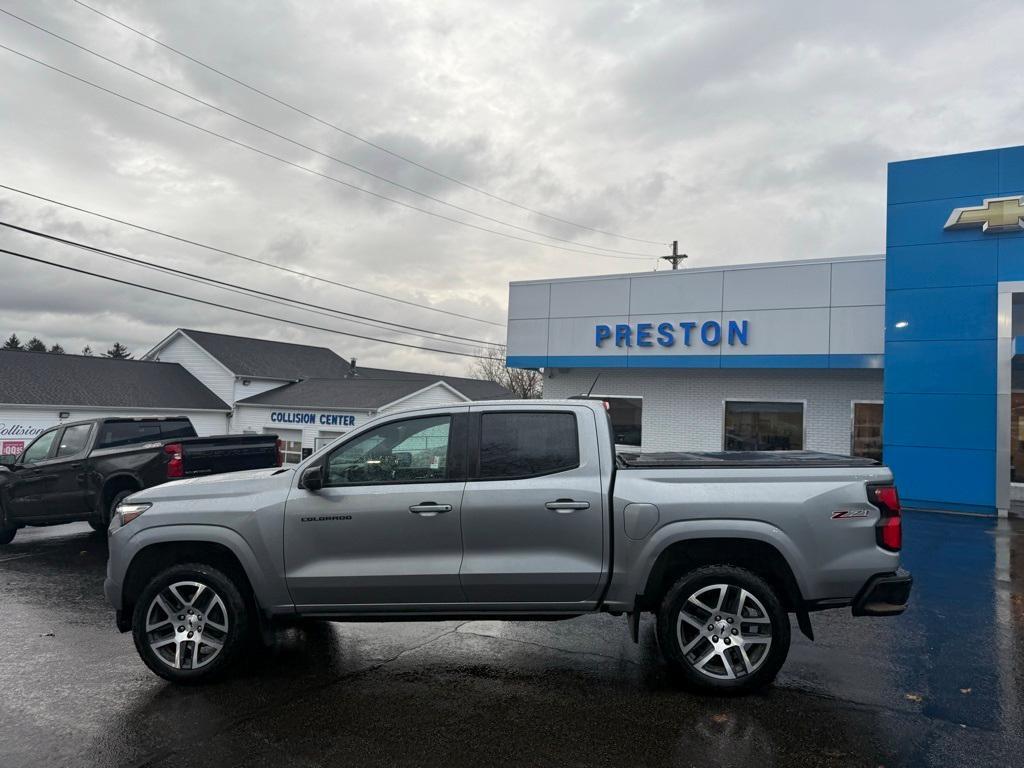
(510, 510)
(82, 470)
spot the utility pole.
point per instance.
(676, 256)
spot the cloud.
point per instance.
(748, 132)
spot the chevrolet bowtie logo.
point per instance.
(997, 214)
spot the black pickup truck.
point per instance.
(82, 470)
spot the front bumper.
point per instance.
(885, 594)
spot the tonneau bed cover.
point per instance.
(738, 459)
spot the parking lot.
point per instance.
(941, 685)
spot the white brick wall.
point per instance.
(683, 408)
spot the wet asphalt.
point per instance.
(942, 685)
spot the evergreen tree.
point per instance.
(119, 352)
(87, 351)
(13, 342)
(35, 345)
(56, 349)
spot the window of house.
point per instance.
(527, 444)
(866, 432)
(761, 426)
(290, 443)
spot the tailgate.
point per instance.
(228, 453)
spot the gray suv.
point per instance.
(510, 510)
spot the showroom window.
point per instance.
(291, 444)
(626, 414)
(866, 433)
(762, 426)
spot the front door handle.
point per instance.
(429, 508)
(567, 505)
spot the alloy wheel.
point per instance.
(186, 625)
(724, 632)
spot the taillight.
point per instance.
(175, 464)
(889, 529)
(280, 453)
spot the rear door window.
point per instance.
(520, 445)
(117, 433)
(74, 440)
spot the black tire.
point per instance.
(233, 613)
(108, 514)
(7, 535)
(724, 654)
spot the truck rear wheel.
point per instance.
(7, 535)
(190, 623)
(723, 629)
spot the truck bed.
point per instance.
(738, 460)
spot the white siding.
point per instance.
(15, 419)
(199, 363)
(683, 409)
(438, 394)
(256, 419)
(253, 388)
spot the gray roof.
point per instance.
(263, 359)
(40, 378)
(368, 394)
(474, 389)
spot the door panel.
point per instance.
(67, 491)
(31, 480)
(363, 546)
(386, 528)
(534, 540)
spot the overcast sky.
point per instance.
(747, 131)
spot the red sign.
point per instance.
(11, 447)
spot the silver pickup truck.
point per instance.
(510, 510)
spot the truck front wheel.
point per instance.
(723, 629)
(190, 623)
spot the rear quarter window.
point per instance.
(519, 445)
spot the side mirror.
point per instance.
(313, 479)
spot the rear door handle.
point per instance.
(567, 505)
(429, 508)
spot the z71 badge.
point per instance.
(846, 514)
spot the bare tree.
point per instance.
(521, 382)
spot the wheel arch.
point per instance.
(212, 547)
(755, 554)
(114, 484)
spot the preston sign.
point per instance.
(710, 333)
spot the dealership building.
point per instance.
(305, 395)
(914, 356)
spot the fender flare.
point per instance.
(738, 529)
(206, 534)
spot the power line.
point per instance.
(236, 309)
(314, 150)
(359, 138)
(251, 259)
(301, 167)
(250, 292)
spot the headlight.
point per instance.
(128, 512)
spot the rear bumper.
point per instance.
(885, 594)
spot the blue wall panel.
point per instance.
(971, 173)
(1011, 168)
(950, 367)
(928, 316)
(936, 476)
(1011, 259)
(941, 265)
(940, 421)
